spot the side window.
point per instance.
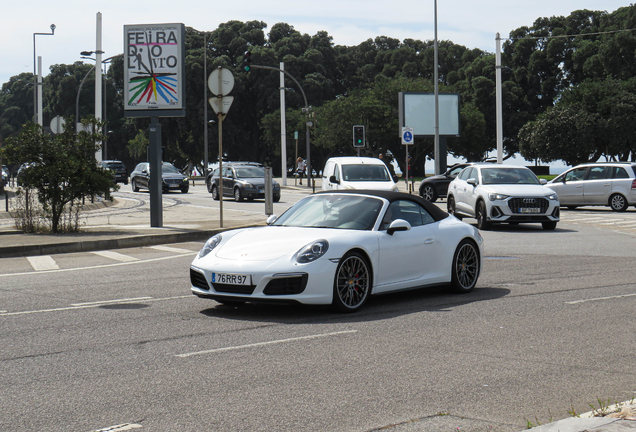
(598, 173)
(409, 211)
(466, 173)
(620, 173)
(576, 174)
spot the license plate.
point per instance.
(231, 279)
(530, 210)
(174, 186)
(260, 191)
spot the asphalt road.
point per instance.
(115, 337)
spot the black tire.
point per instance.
(209, 185)
(549, 226)
(185, 190)
(465, 270)
(276, 198)
(352, 284)
(618, 203)
(482, 222)
(450, 207)
(237, 195)
(215, 193)
(428, 192)
(134, 186)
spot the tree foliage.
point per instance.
(63, 166)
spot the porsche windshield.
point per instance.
(333, 211)
(508, 176)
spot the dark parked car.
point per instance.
(436, 186)
(171, 178)
(119, 170)
(244, 180)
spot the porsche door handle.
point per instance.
(429, 241)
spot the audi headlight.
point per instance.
(209, 245)
(497, 196)
(312, 251)
(553, 197)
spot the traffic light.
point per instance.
(358, 136)
(247, 61)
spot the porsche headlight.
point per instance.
(497, 196)
(312, 251)
(209, 245)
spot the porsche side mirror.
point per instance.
(271, 219)
(398, 225)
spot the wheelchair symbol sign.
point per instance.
(407, 135)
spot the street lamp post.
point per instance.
(85, 55)
(35, 74)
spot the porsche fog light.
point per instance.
(209, 245)
(312, 251)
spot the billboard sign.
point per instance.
(417, 110)
(154, 70)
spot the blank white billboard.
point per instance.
(417, 110)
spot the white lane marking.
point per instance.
(115, 256)
(43, 263)
(88, 306)
(259, 344)
(111, 301)
(98, 266)
(600, 299)
(121, 427)
(170, 249)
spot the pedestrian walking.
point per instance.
(300, 169)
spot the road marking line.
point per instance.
(88, 306)
(99, 266)
(259, 344)
(600, 298)
(170, 249)
(111, 301)
(43, 263)
(121, 427)
(115, 256)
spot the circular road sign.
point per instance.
(223, 86)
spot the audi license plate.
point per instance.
(530, 210)
(231, 279)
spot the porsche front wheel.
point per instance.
(352, 284)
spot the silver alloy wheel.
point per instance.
(618, 203)
(215, 193)
(353, 283)
(237, 195)
(428, 193)
(465, 267)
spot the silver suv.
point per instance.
(610, 184)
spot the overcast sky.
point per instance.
(466, 22)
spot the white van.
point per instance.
(352, 172)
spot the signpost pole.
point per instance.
(220, 115)
(156, 209)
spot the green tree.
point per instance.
(64, 167)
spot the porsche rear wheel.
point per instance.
(352, 285)
(465, 269)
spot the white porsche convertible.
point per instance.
(339, 248)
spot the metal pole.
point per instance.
(499, 101)
(98, 77)
(156, 174)
(220, 114)
(40, 118)
(283, 127)
(79, 90)
(205, 107)
(35, 76)
(438, 153)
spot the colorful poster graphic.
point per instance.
(153, 69)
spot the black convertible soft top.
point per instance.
(435, 212)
